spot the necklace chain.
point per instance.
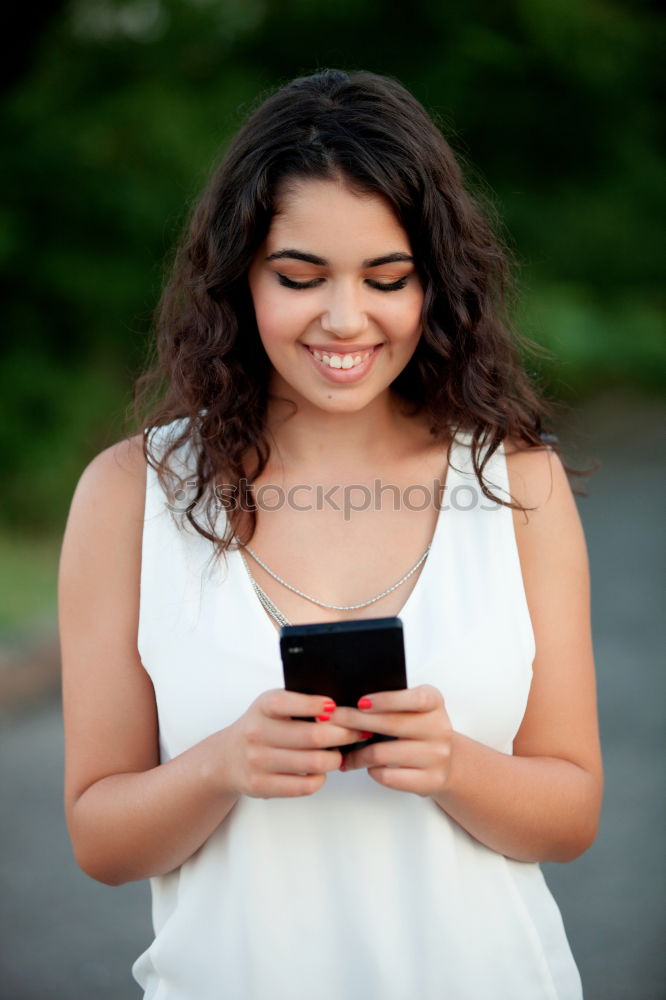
(314, 600)
(275, 612)
(265, 600)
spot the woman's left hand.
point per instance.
(419, 759)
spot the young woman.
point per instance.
(346, 431)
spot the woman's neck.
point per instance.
(310, 437)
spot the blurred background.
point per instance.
(113, 112)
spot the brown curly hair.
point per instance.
(208, 364)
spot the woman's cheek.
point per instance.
(271, 315)
(279, 317)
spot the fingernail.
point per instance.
(323, 718)
(365, 703)
(329, 706)
(342, 765)
(365, 736)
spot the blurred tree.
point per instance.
(24, 28)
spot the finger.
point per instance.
(278, 760)
(402, 725)
(304, 735)
(388, 712)
(402, 779)
(423, 698)
(398, 753)
(279, 703)
(270, 786)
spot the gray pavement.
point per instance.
(65, 937)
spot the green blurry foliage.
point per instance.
(124, 105)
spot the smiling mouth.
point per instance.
(346, 360)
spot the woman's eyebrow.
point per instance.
(310, 258)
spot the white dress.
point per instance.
(358, 891)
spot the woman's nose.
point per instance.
(344, 315)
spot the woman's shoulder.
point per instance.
(108, 501)
(536, 474)
(101, 545)
(549, 529)
(534, 471)
(119, 468)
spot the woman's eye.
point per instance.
(382, 286)
(290, 283)
(393, 286)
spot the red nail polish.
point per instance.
(365, 703)
(365, 735)
(342, 765)
(330, 707)
(323, 718)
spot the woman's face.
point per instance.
(336, 296)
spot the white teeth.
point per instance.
(345, 361)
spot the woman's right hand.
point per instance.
(272, 755)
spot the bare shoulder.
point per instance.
(118, 470)
(537, 480)
(549, 531)
(106, 512)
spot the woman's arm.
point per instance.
(124, 813)
(130, 817)
(542, 803)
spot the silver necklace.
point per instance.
(271, 608)
(265, 600)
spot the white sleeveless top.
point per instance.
(357, 891)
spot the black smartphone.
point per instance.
(345, 660)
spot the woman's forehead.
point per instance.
(329, 212)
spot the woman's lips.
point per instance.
(344, 375)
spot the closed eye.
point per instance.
(393, 286)
(289, 283)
